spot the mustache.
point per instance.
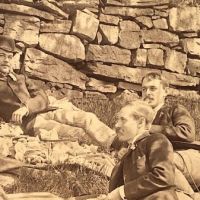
(148, 98)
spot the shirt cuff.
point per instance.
(121, 192)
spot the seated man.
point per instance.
(146, 171)
(23, 103)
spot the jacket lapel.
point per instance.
(19, 88)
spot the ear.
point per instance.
(141, 122)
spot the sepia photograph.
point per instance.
(99, 99)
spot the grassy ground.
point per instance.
(73, 180)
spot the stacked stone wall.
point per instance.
(96, 48)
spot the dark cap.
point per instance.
(7, 44)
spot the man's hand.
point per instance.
(19, 114)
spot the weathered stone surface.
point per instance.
(85, 26)
(128, 12)
(189, 35)
(94, 95)
(145, 21)
(101, 86)
(57, 26)
(159, 36)
(69, 47)
(129, 39)
(22, 28)
(127, 25)
(110, 33)
(1, 30)
(193, 95)
(140, 58)
(193, 66)
(110, 54)
(185, 19)
(133, 75)
(162, 13)
(155, 17)
(2, 22)
(155, 46)
(160, 23)
(155, 57)
(109, 19)
(90, 13)
(137, 2)
(129, 86)
(180, 79)
(46, 67)
(99, 38)
(176, 61)
(21, 9)
(49, 7)
(191, 46)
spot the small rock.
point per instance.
(140, 58)
(191, 46)
(127, 25)
(145, 21)
(193, 66)
(89, 30)
(129, 39)
(110, 33)
(155, 57)
(109, 19)
(160, 23)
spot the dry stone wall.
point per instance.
(84, 47)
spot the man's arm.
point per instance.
(180, 127)
(38, 101)
(161, 169)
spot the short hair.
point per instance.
(155, 75)
(139, 109)
(7, 44)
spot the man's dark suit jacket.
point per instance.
(147, 172)
(176, 123)
(15, 94)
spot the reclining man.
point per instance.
(22, 102)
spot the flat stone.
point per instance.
(155, 17)
(68, 47)
(89, 30)
(129, 86)
(191, 46)
(46, 67)
(121, 72)
(145, 21)
(101, 86)
(21, 9)
(139, 3)
(185, 19)
(127, 25)
(192, 95)
(160, 23)
(193, 66)
(159, 36)
(51, 8)
(180, 79)
(128, 12)
(155, 57)
(22, 28)
(162, 13)
(94, 95)
(140, 58)
(110, 54)
(90, 13)
(57, 26)
(129, 39)
(176, 61)
(155, 46)
(110, 33)
(109, 19)
(189, 35)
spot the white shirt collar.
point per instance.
(157, 108)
